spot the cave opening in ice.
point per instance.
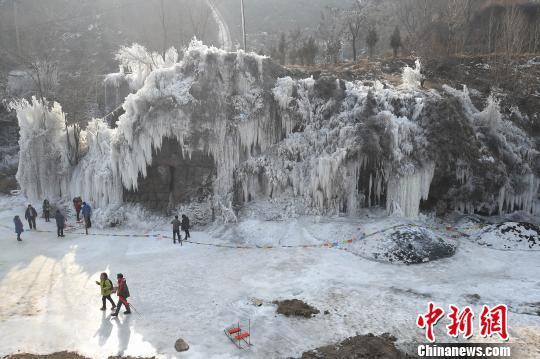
(174, 178)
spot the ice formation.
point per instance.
(331, 145)
(44, 170)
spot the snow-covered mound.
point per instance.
(510, 235)
(406, 244)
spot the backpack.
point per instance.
(110, 281)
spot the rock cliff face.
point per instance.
(173, 179)
(235, 127)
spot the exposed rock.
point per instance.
(406, 244)
(295, 307)
(180, 345)
(510, 235)
(256, 302)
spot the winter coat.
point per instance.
(46, 206)
(77, 204)
(30, 213)
(106, 287)
(86, 211)
(122, 290)
(18, 225)
(176, 224)
(185, 223)
(60, 220)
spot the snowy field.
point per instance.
(50, 301)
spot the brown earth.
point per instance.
(62, 355)
(360, 346)
(295, 308)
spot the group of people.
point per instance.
(177, 225)
(121, 290)
(31, 214)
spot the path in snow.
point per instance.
(223, 29)
(51, 301)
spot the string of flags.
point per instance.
(338, 244)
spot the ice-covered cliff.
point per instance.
(329, 145)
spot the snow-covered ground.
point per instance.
(50, 301)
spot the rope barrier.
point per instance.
(333, 244)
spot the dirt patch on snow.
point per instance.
(360, 346)
(295, 308)
(62, 355)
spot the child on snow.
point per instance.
(106, 286)
(18, 227)
(122, 291)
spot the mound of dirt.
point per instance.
(360, 346)
(296, 308)
(59, 355)
(405, 244)
(510, 235)
(62, 355)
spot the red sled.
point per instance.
(239, 336)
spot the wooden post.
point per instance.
(243, 24)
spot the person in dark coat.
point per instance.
(46, 210)
(176, 230)
(30, 215)
(87, 215)
(122, 291)
(18, 227)
(185, 226)
(60, 223)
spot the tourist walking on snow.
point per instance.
(106, 286)
(77, 204)
(18, 227)
(176, 230)
(87, 214)
(30, 215)
(60, 223)
(185, 226)
(122, 291)
(46, 210)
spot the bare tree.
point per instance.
(331, 32)
(163, 26)
(395, 41)
(371, 40)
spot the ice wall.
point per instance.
(332, 146)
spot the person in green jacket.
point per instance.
(106, 286)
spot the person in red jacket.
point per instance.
(122, 291)
(77, 204)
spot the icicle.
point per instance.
(407, 191)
